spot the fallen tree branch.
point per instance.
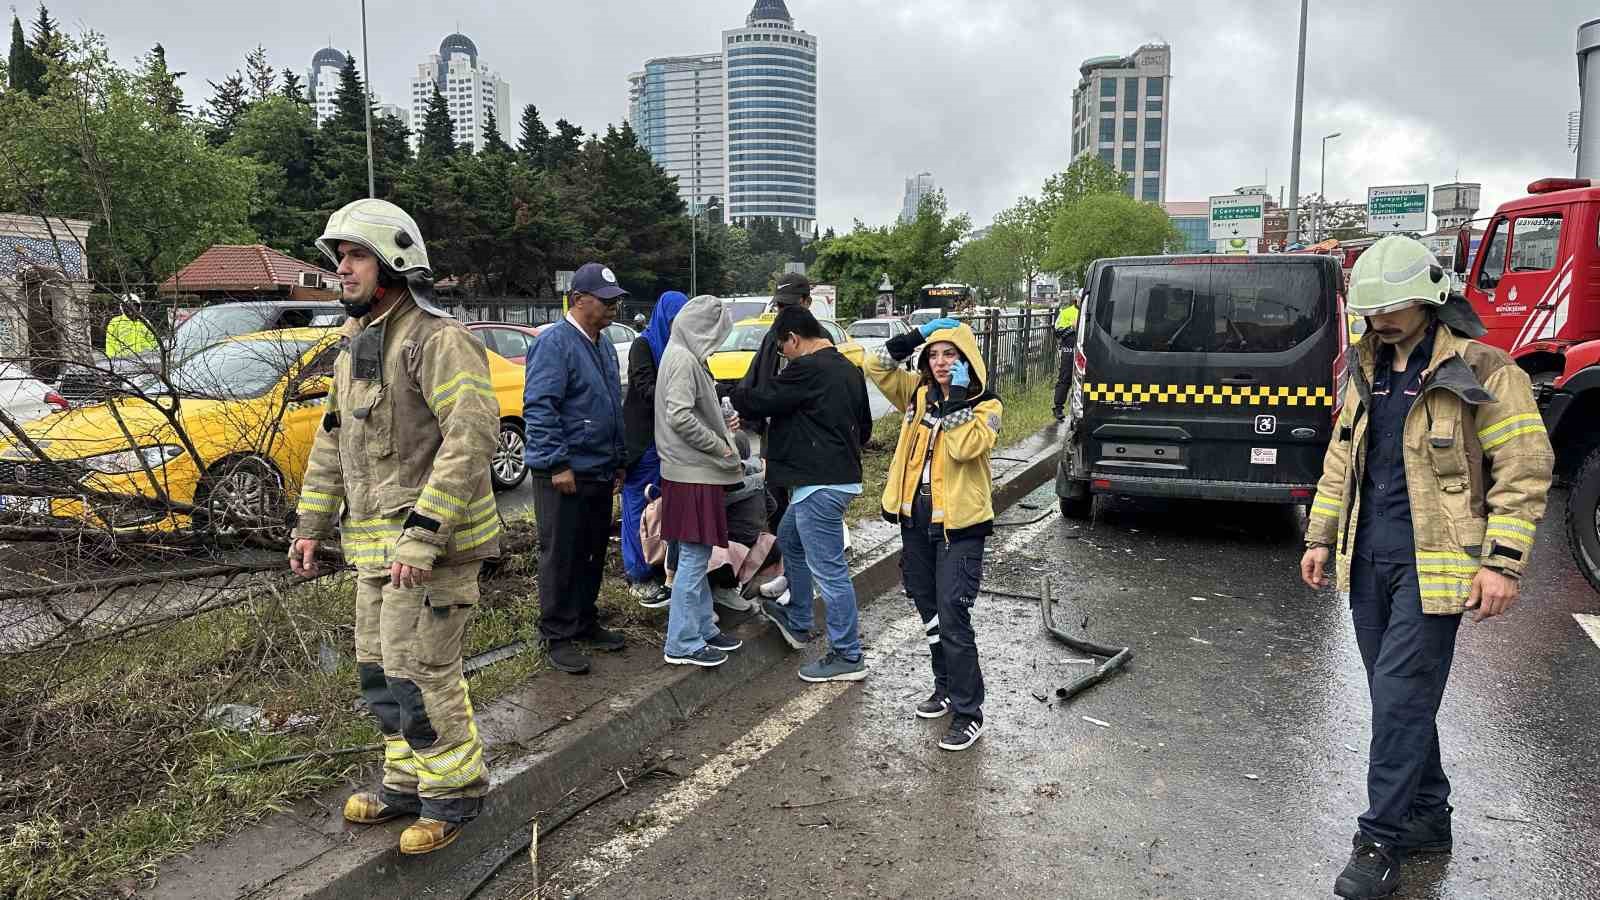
(787, 805)
(300, 757)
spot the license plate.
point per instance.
(1263, 456)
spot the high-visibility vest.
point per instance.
(126, 336)
(1067, 319)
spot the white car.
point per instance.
(25, 398)
(874, 333)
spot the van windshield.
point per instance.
(1232, 308)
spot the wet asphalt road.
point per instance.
(1240, 671)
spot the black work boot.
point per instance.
(1426, 832)
(1373, 871)
(566, 656)
(603, 639)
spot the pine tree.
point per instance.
(160, 84)
(293, 87)
(438, 131)
(228, 102)
(350, 100)
(26, 72)
(492, 141)
(47, 38)
(564, 146)
(260, 76)
(535, 140)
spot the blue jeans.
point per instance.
(689, 623)
(646, 472)
(812, 537)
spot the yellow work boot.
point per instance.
(428, 835)
(367, 808)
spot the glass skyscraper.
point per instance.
(675, 105)
(770, 81)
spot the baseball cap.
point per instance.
(792, 288)
(597, 280)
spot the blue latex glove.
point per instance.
(960, 374)
(928, 328)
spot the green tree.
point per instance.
(854, 263)
(534, 142)
(438, 131)
(259, 75)
(160, 85)
(341, 158)
(1087, 175)
(25, 71)
(294, 87)
(1024, 233)
(280, 136)
(986, 263)
(48, 43)
(564, 145)
(1104, 225)
(492, 141)
(629, 211)
(923, 250)
(228, 102)
(158, 196)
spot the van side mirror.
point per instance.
(1463, 247)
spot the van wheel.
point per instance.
(1583, 518)
(1078, 507)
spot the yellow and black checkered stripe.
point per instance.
(1203, 394)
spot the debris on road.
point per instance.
(1117, 657)
(1098, 722)
(1253, 777)
(1198, 640)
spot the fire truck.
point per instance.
(1535, 283)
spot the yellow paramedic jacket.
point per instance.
(961, 477)
(407, 454)
(1477, 461)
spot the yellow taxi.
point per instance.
(732, 359)
(233, 442)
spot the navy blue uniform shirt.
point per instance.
(1383, 529)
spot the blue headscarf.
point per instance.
(660, 327)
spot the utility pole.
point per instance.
(366, 100)
(1322, 187)
(1299, 108)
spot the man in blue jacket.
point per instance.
(572, 415)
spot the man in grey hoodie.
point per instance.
(698, 459)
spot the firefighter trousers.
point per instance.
(408, 656)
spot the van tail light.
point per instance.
(56, 400)
(1299, 494)
(1080, 363)
(1101, 484)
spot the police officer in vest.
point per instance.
(399, 470)
(1433, 483)
(1067, 337)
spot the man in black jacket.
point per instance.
(819, 422)
(793, 290)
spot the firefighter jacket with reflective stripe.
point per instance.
(949, 439)
(1477, 464)
(405, 446)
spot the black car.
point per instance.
(1203, 377)
(206, 326)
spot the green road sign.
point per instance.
(1237, 216)
(1400, 207)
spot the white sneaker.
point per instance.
(775, 588)
(730, 598)
(782, 599)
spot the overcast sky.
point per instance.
(979, 91)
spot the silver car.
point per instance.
(874, 333)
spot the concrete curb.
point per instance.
(294, 857)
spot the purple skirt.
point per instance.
(694, 513)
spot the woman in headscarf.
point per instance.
(644, 466)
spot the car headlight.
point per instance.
(124, 461)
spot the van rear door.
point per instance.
(1211, 369)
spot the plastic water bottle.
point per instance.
(727, 410)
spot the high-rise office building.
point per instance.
(1119, 113)
(770, 79)
(322, 82)
(917, 187)
(471, 89)
(675, 105)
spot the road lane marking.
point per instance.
(1590, 624)
(667, 812)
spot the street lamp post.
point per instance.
(1322, 186)
(366, 68)
(1299, 104)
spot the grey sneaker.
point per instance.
(708, 657)
(652, 596)
(775, 588)
(779, 616)
(730, 598)
(834, 667)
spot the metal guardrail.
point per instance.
(1019, 345)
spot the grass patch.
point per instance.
(109, 764)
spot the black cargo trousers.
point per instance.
(943, 578)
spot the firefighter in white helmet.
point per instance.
(404, 451)
(1433, 483)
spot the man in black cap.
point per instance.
(793, 290)
(572, 415)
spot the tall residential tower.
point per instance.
(675, 105)
(1119, 113)
(770, 77)
(322, 84)
(471, 89)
